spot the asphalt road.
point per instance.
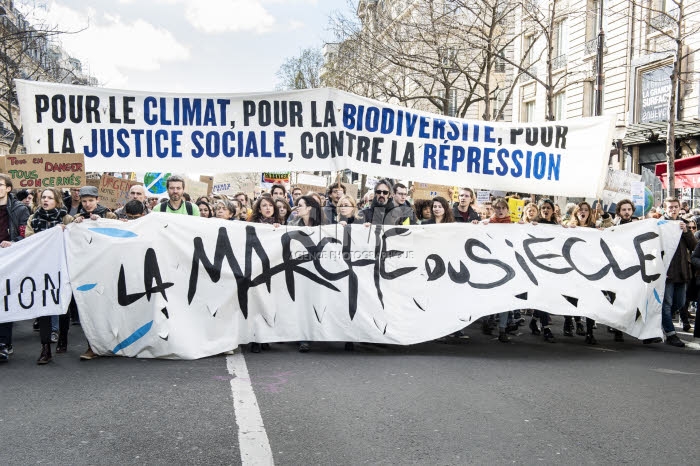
(473, 401)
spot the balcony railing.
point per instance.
(664, 20)
(559, 62)
(591, 46)
(526, 77)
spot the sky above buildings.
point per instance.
(227, 46)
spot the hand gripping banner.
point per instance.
(311, 130)
(171, 286)
(34, 277)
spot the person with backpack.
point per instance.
(177, 204)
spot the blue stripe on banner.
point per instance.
(656, 295)
(138, 334)
(86, 287)
(114, 232)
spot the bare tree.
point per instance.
(27, 51)
(302, 71)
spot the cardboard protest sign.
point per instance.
(305, 188)
(209, 180)
(196, 189)
(46, 170)
(429, 191)
(232, 183)
(2, 164)
(482, 197)
(114, 192)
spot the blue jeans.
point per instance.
(674, 299)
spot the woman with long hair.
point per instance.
(348, 212)
(205, 209)
(530, 213)
(545, 214)
(309, 213)
(51, 213)
(284, 209)
(440, 211)
(265, 211)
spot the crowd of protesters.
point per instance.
(26, 212)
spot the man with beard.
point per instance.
(176, 204)
(383, 211)
(334, 193)
(678, 274)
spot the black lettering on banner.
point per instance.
(21, 292)
(507, 269)
(437, 270)
(151, 271)
(55, 291)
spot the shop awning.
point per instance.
(687, 172)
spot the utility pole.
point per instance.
(599, 63)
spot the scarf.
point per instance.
(45, 219)
(495, 219)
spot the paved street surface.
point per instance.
(472, 401)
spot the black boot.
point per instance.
(568, 327)
(579, 329)
(45, 356)
(590, 339)
(503, 337)
(618, 336)
(533, 327)
(486, 326)
(255, 347)
(548, 335)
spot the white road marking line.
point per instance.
(674, 372)
(252, 438)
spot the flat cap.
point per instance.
(88, 191)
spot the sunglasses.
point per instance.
(380, 191)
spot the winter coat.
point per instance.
(473, 215)
(100, 211)
(388, 214)
(17, 213)
(679, 270)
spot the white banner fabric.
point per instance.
(34, 277)
(311, 130)
(172, 286)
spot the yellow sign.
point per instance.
(515, 206)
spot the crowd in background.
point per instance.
(25, 212)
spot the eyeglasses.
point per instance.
(381, 192)
(693, 228)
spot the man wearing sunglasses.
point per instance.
(383, 211)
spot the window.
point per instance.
(588, 98)
(452, 103)
(560, 106)
(593, 24)
(528, 111)
(560, 39)
(499, 64)
(448, 56)
(528, 52)
(496, 104)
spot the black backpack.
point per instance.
(188, 207)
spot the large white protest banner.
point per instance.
(311, 130)
(34, 277)
(170, 286)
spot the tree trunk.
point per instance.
(671, 136)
